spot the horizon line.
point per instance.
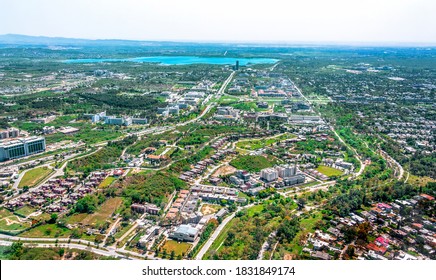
(249, 42)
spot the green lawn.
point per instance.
(252, 163)
(47, 230)
(262, 143)
(34, 176)
(179, 248)
(328, 171)
(122, 231)
(255, 209)
(107, 182)
(11, 222)
(25, 211)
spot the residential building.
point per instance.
(21, 148)
(286, 171)
(269, 174)
(185, 233)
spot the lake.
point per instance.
(179, 60)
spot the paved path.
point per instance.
(390, 159)
(218, 230)
(265, 245)
(362, 164)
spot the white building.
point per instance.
(286, 171)
(185, 233)
(269, 174)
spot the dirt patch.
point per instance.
(224, 170)
(208, 209)
(10, 222)
(287, 257)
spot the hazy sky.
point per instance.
(224, 20)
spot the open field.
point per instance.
(208, 209)
(10, 222)
(255, 209)
(253, 163)
(25, 211)
(179, 248)
(32, 177)
(47, 230)
(107, 182)
(103, 213)
(224, 170)
(262, 143)
(328, 171)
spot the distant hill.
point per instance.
(16, 39)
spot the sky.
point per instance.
(399, 21)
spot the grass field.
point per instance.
(107, 182)
(179, 248)
(253, 163)
(76, 218)
(25, 211)
(122, 231)
(103, 213)
(47, 230)
(328, 171)
(262, 143)
(34, 176)
(255, 209)
(11, 222)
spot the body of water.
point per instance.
(179, 60)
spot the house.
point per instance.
(184, 233)
(320, 255)
(145, 208)
(426, 196)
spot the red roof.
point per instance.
(376, 248)
(153, 157)
(429, 197)
(383, 241)
(383, 206)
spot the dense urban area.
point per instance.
(125, 150)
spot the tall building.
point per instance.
(286, 171)
(126, 121)
(21, 148)
(10, 133)
(237, 65)
(269, 174)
